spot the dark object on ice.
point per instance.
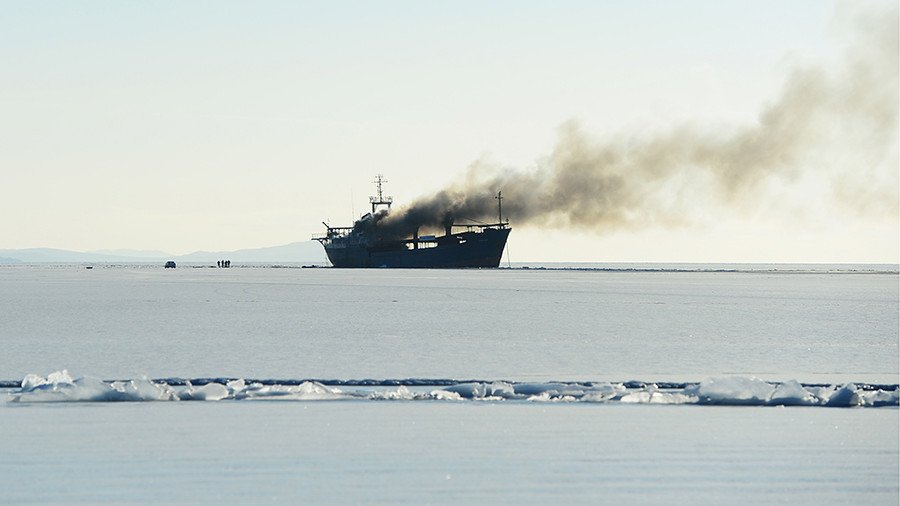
(170, 265)
(363, 245)
(89, 267)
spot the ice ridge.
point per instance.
(60, 386)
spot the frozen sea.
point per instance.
(586, 384)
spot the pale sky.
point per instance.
(183, 126)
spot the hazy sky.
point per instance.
(182, 126)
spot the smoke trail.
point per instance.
(621, 182)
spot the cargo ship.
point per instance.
(361, 246)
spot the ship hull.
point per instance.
(468, 249)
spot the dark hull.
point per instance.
(467, 249)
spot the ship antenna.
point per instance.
(378, 180)
(380, 199)
(499, 198)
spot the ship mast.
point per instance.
(380, 199)
(499, 198)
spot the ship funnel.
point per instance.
(448, 224)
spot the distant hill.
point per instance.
(132, 253)
(51, 255)
(303, 252)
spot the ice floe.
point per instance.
(60, 386)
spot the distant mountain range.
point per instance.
(304, 252)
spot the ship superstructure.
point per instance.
(362, 245)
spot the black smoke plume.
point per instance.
(627, 181)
